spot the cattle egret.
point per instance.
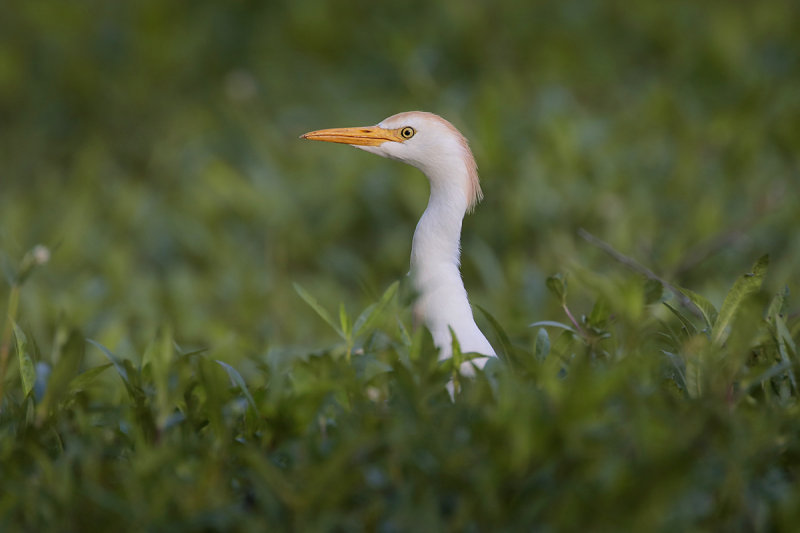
(434, 146)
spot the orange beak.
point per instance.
(364, 136)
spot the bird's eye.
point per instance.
(407, 132)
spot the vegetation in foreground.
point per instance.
(655, 412)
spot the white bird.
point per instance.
(434, 146)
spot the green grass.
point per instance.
(213, 333)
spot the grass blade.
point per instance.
(116, 362)
(238, 381)
(317, 307)
(84, 379)
(372, 312)
(66, 364)
(27, 370)
(344, 320)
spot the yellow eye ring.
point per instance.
(407, 132)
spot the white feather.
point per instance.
(442, 154)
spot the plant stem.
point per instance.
(575, 323)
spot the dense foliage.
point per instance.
(174, 356)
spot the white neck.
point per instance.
(442, 300)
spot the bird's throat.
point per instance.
(437, 238)
(435, 274)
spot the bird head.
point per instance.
(423, 140)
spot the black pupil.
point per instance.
(407, 132)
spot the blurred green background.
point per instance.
(153, 146)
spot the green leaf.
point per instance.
(690, 327)
(114, 360)
(69, 351)
(552, 324)
(457, 354)
(786, 343)
(420, 338)
(771, 372)
(541, 346)
(784, 335)
(557, 285)
(598, 318)
(676, 364)
(561, 350)
(706, 308)
(317, 307)
(160, 357)
(777, 303)
(84, 379)
(131, 378)
(215, 386)
(505, 342)
(695, 355)
(368, 367)
(344, 321)
(407, 340)
(746, 285)
(27, 370)
(368, 317)
(238, 381)
(364, 318)
(653, 291)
